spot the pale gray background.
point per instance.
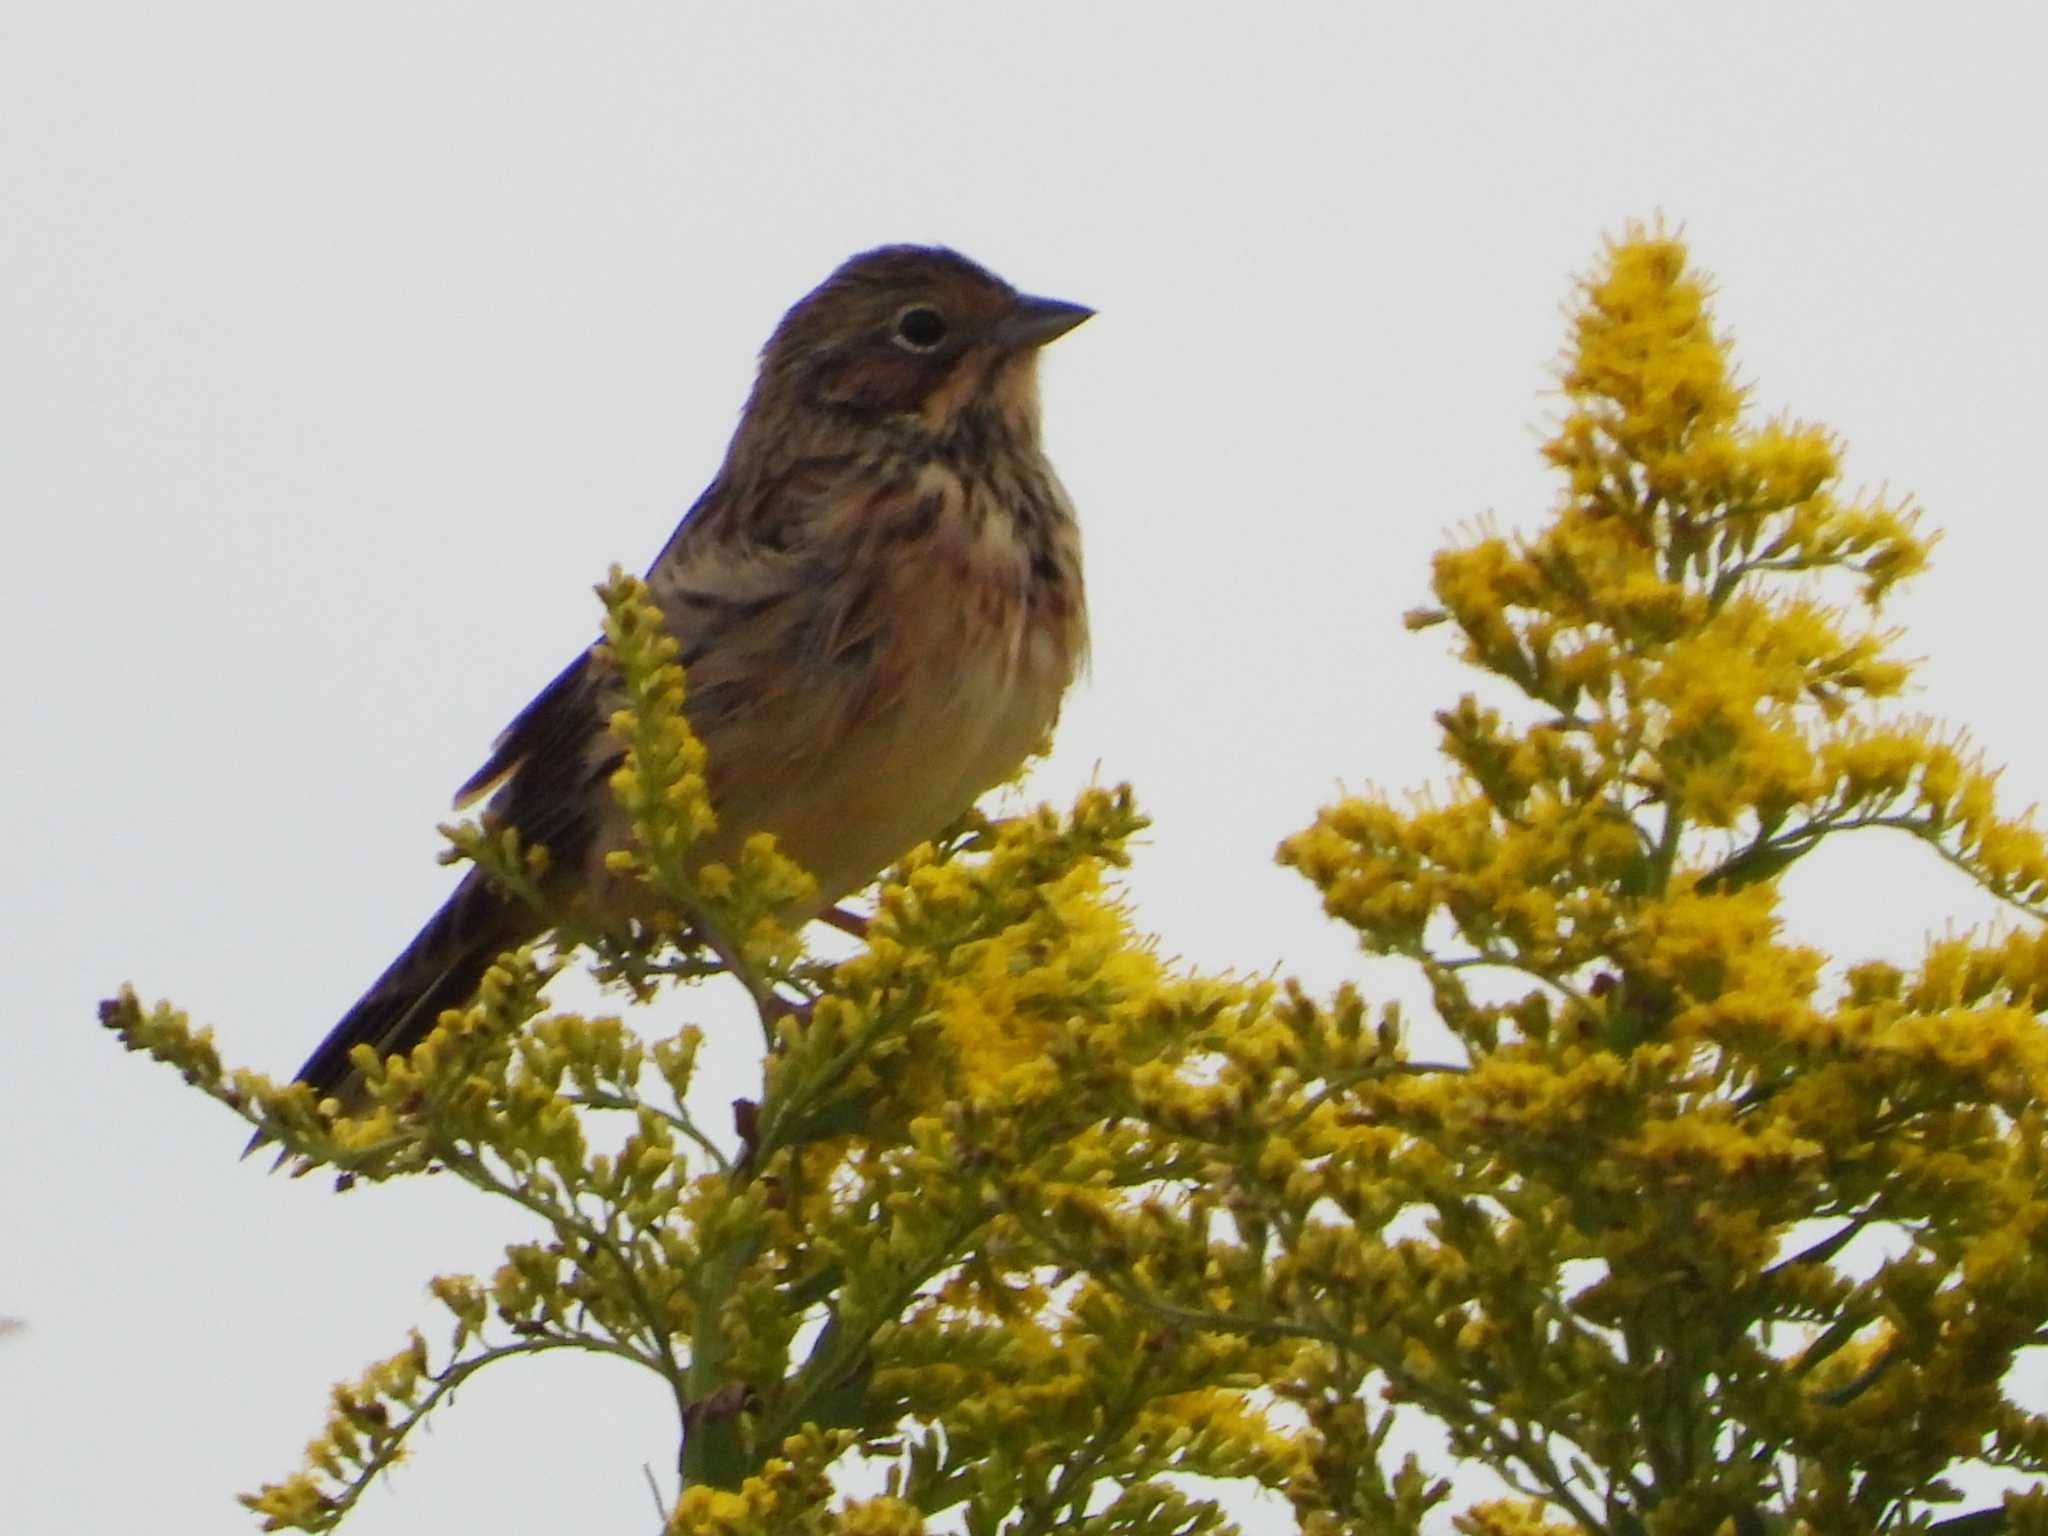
(342, 347)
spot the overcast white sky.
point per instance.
(342, 347)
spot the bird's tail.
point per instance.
(438, 970)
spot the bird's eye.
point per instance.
(919, 328)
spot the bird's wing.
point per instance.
(548, 743)
(740, 585)
(781, 610)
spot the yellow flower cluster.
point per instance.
(1657, 1086)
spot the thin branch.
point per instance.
(445, 1382)
(599, 1099)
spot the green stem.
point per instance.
(712, 1452)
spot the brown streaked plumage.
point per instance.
(879, 606)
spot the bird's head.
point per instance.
(918, 335)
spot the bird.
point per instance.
(878, 605)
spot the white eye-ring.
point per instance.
(918, 328)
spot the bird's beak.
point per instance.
(1032, 321)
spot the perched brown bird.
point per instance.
(878, 602)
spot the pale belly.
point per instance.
(899, 778)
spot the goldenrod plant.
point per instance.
(1679, 1230)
